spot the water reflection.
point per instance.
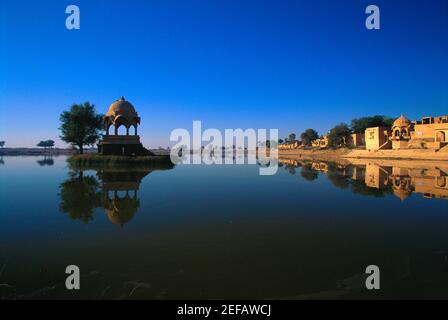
(378, 177)
(115, 189)
(306, 238)
(46, 161)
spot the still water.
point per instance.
(198, 231)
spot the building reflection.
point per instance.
(115, 190)
(120, 194)
(377, 178)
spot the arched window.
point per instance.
(121, 130)
(404, 133)
(441, 182)
(120, 125)
(440, 136)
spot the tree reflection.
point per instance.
(338, 176)
(115, 189)
(359, 187)
(46, 161)
(308, 173)
(80, 195)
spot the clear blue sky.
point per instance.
(230, 63)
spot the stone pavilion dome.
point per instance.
(402, 121)
(121, 113)
(121, 107)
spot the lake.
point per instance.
(223, 231)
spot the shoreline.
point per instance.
(58, 151)
(338, 154)
(35, 152)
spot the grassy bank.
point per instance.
(93, 160)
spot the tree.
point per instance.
(359, 125)
(2, 144)
(280, 141)
(81, 125)
(308, 135)
(292, 137)
(339, 136)
(46, 144)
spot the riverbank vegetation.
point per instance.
(93, 160)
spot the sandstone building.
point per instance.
(121, 113)
(429, 133)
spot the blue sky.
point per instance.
(230, 63)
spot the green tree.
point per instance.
(2, 144)
(339, 136)
(280, 141)
(359, 125)
(308, 135)
(46, 144)
(81, 125)
(292, 137)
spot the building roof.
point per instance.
(402, 193)
(121, 210)
(121, 107)
(402, 121)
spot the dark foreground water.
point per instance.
(223, 231)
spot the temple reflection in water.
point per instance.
(113, 189)
(120, 194)
(399, 177)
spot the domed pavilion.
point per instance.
(401, 132)
(121, 113)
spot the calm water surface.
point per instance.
(223, 231)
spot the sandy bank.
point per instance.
(328, 154)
